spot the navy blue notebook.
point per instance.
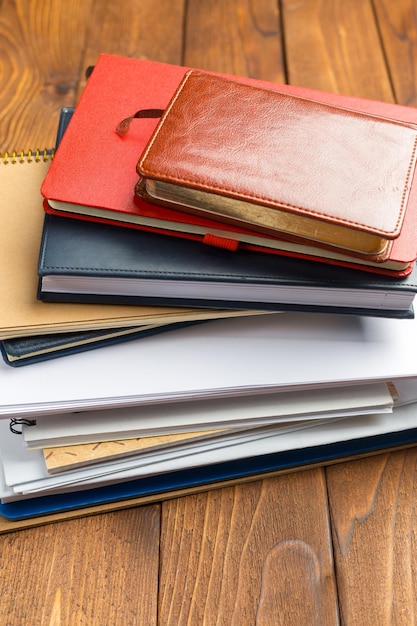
(169, 484)
(21, 351)
(88, 262)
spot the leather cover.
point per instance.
(276, 151)
(122, 86)
(79, 248)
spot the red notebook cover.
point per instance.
(94, 170)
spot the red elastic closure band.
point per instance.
(221, 242)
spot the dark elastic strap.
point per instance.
(124, 125)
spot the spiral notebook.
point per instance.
(21, 314)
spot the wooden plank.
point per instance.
(148, 30)
(198, 582)
(240, 37)
(398, 27)
(222, 552)
(101, 569)
(372, 506)
(258, 553)
(370, 500)
(335, 46)
(43, 56)
(11, 525)
(40, 50)
(98, 570)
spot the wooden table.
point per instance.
(322, 546)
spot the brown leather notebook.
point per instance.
(301, 170)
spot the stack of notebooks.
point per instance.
(243, 256)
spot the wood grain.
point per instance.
(398, 27)
(87, 572)
(372, 506)
(241, 37)
(148, 30)
(101, 569)
(245, 555)
(335, 46)
(40, 51)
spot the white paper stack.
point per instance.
(268, 384)
(236, 357)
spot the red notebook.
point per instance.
(93, 175)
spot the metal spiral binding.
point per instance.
(12, 157)
(20, 421)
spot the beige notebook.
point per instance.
(21, 221)
(64, 458)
